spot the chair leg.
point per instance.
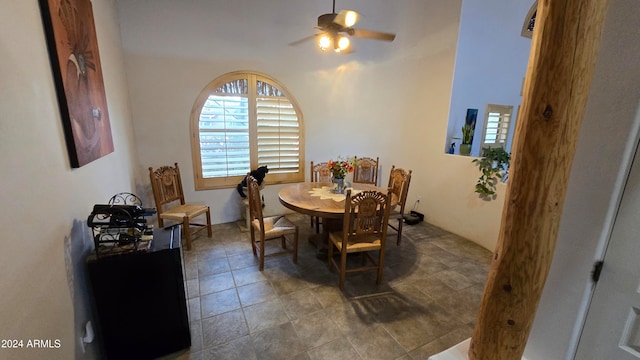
(295, 247)
(253, 241)
(380, 266)
(261, 253)
(186, 229)
(209, 230)
(399, 231)
(343, 268)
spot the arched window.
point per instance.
(243, 120)
(530, 21)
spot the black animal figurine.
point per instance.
(258, 174)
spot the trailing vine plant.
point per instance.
(493, 166)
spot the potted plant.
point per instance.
(493, 166)
(467, 137)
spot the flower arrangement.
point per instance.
(340, 167)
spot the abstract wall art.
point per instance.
(75, 62)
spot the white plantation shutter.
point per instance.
(246, 120)
(278, 135)
(224, 136)
(497, 123)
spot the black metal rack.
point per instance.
(120, 228)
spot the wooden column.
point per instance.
(564, 47)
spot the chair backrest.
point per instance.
(366, 171)
(320, 172)
(255, 201)
(166, 185)
(366, 214)
(399, 180)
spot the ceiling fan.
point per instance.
(335, 26)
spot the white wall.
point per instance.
(45, 202)
(491, 62)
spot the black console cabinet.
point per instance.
(139, 300)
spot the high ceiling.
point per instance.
(202, 28)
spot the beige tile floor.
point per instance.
(427, 302)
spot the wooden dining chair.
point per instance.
(366, 171)
(364, 229)
(319, 173)
(269, 228)
(399, 180)
(171, 205)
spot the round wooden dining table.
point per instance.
(311, 199)
(306, 198)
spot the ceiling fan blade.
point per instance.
(346, 18)
(303, 40)
(370, 34)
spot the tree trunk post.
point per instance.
(564, 48)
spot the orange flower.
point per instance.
(340, 168)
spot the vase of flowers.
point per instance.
(339, 185)
(339, 169)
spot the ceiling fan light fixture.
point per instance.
(324, 42)
(350, 18)
(333, 25)
(343, 43)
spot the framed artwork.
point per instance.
(75, 63)
(470, 119)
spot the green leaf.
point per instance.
(493, 164)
